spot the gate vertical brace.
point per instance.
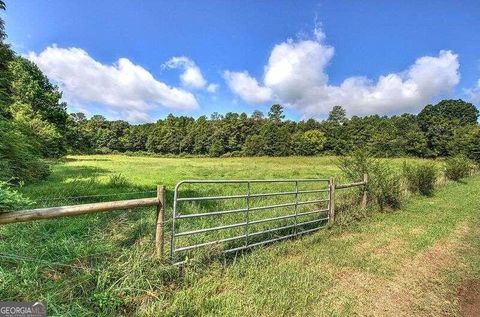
(247, 215)
(160, 228)
(296, 208)
(172, 241)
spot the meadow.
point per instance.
(145, 173)
(103, 264)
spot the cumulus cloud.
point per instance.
(296, 76)
(191, 76)
(123, 86)
(474, 93)
(243, 85)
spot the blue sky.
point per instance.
(117, 58)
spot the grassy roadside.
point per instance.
(404, 264)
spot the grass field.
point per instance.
(409, 261)
(89, 175)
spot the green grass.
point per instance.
(147, 172)
(112, 271)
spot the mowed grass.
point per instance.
(111, 270)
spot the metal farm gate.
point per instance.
(238, 214)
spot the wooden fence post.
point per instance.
(331, 212)
(364, 197)
(160, 232)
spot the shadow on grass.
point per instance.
(82, 184)
(76, 159)
(69, 172)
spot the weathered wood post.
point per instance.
(331, 206)
(365, 193)
(160, 232)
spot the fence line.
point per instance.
(333, 186)
(159, 203)
(75, 210)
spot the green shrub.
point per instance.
(11, 199)
(103, 150)
(383, 179)
(384, 184)
(457, 167)
(420, 177)
(19, 158)
(216, 149)
(355, 165)
(254, 145)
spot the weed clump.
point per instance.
(420, 177)
(10, 198)
(457, 167)
(117, 181)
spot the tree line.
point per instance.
(35, 127)
(447, 128)
(33, 120)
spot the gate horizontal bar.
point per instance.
(224, 212)
(260, 243)
(211, 198)
(254, 222)
(251, 195)
(179, 234)
(243, 181)
(312, 201)
(205, 244)
(277, 239)
(213, 213)
(273, 206)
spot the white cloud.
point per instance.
(474, 93)
(296, 76)
(247, 87)
(212, 88)
(192, 76)
(123, 86)
(294, 68)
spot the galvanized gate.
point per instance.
(290, 207)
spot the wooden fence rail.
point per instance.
(76, 210)
(334, 186)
